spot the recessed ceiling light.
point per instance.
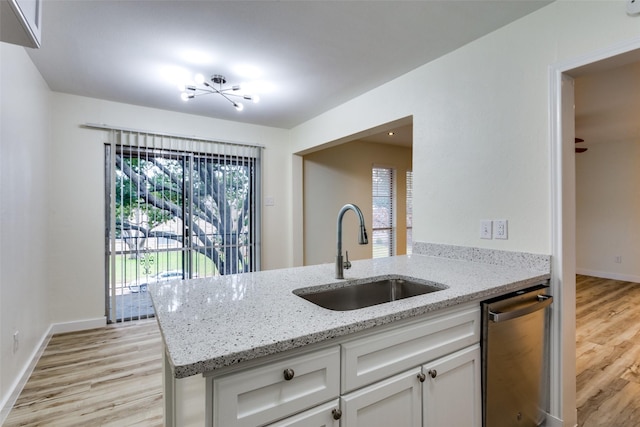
(391, 133)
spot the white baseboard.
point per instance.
(21, 380)
(608, 275)
(79, 325)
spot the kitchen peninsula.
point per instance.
(222, 332)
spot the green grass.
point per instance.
(128, 269)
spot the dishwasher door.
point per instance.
(514, 358)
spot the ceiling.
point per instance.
(305, 56)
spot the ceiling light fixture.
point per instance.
(206, 88)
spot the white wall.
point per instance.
(339, 175)
(77, 214)
(608, 210)
(24, 190)
(481, 125)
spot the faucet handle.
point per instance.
(347, 264)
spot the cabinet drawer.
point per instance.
(375, 357)
(320, 416)
(261, 395)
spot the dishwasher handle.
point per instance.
(542, 301)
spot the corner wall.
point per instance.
(77, 215)
(24, 211)
(608, 210)
(342, 174)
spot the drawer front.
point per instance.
(320, 416)
(373, 358)
(262, 395)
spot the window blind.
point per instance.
(177, 208)
(382, 197)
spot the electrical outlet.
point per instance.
(16, 341)
(500, 229)
(485, 229)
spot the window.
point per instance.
(409, 209)
(177, 209)
(382, 228)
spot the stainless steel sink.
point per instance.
(374, 292)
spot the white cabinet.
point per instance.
(420, 373)
(20, 22)
(378, 356)
(452, 390)
(264, 394)
(391, 402)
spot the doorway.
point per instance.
(563, 126)
(345, 173)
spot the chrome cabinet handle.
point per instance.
(337, 414)
(433, 373)
(288, 374)
(422, 377)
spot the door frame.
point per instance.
(563, 407)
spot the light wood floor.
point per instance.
(608, 352)
(112, 376)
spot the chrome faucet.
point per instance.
(362, 238)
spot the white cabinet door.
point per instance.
(320, 416)
(261, 395)
(372, 358)
(451, 392)
(394, 402)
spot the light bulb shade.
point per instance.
(238, 106)
(236, 87)
(199, 79)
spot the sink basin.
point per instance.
(365, 294)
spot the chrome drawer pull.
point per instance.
(288, 374)
(337, 414)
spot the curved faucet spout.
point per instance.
(362, 238)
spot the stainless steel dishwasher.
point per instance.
(515, 358)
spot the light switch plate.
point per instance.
(485, 229)
(500, 230)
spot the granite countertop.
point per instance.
(210, 323)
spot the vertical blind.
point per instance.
(382, 197)
(176, 208)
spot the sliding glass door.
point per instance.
(176, 213)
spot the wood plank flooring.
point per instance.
(607, 352)
(112, 376)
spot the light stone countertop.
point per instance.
(211, 323)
